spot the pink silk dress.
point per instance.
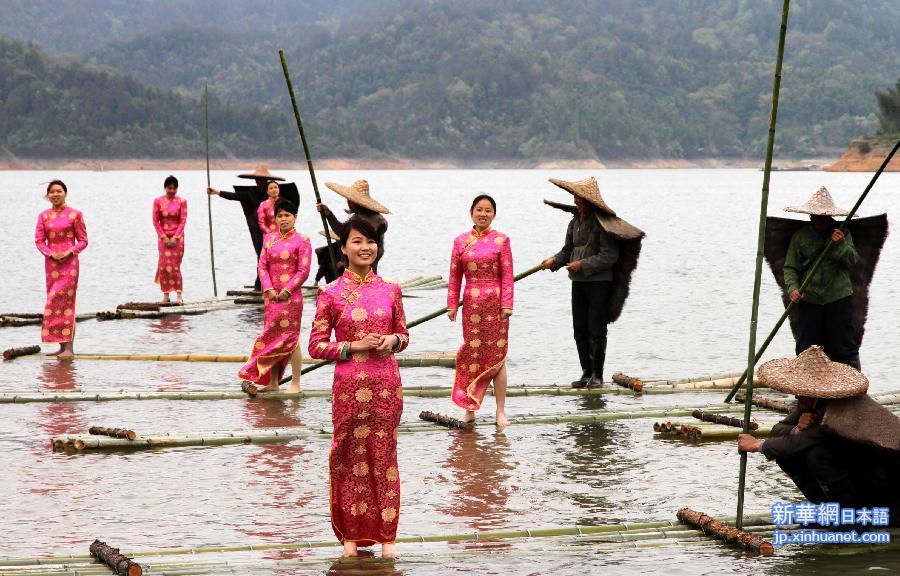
(265, 216)
(486, 262)
(59, 231)
(283, 265)
(367, 401)
(169, 218)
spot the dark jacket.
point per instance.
(587, 241)
(784, 442)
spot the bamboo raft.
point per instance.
(430, 359)
(30, 319)
(711, 526)
(628, 382)
(23, 351)
(119, 563)
(112, 432)
(722, 419)
(764, 402)
(690, 431)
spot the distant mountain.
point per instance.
(520, 79)
(59, 107)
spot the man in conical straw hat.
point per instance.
(832, 312)
(251, 197)
(326, 270)
(838, 444)
(361, 203)
(592, 250)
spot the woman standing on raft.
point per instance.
(265, 214)
(60, 236)
(483, 255)
(366, 315)
(283, 267)
(169, 218)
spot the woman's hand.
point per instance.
(367, 342)
(505, 313)
(451, 314)
(269, 295)
(386, 345)
(283, 296)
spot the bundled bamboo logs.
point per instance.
(763, 402)
(628, 382)
(249, 388)
(722, 419)
(122, 565)
(23, 351)
(146, 306)
(447, 421)
(112, 432)
(713, 527)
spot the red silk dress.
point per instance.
(367, 401)
(485, 260)
(265, 216)
(283, 265)
(58, 231)
(169, 218)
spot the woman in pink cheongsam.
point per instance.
(483, 256)
(366, 315)
(283, 267)
(60, 236)
(265, 214)
(169, 218)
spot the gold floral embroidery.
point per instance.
(54, 274)
(358, 508)
(259, 345)
(473, 266)
(321, 346)
(384, 394)
(379, 312)
(360, 450)
(360, 469)
(499, 240)
(285, 255)
(361, 356)
(363, 395)
(284, 323)
(320, 325)
(473, 368)
(391, 473)
(475, 318)
(388, 514)
(381, 434)
(475, 343)
(361, 431)
(475, 292)
(501, 343)
(284, 277)
(359, 314)
(391, 494)
(362, 375)
(362, 415)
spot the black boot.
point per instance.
(598, 359)
(584, 358)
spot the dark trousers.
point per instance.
(590, 316)
(814, 471)
(831, 327)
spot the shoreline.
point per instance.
(118, 164)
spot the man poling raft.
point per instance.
(359, 203)
(326, 269)
(251, 197)
(838, 444)
(601, 252)
(832, 311)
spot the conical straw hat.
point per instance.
(330, 233)
(261, 172)
(586, 189)
(358, 193)
(813, 375)
(819, 204)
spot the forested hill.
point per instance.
(58, 107)
(514, 79)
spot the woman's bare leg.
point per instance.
(296, 368)
(500, 396)
(349, 549)
(388, 550)
(67, 351)
(180, 299)
(165, 297)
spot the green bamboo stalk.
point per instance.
(416, 322)
(309, 163)
(760, 244)
(818, 261)
(212, 252)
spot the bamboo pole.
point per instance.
(713, 527)
(112, 432)
(769, 403)
(119, 563)
(818, 261)
(23, 351)
(628, 381)
(447, 421)
(760, 245)
(416, 322)
(212, 252)
(309, 163)
(722, 419)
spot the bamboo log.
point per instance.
(16, 321)
(628, 382)
(121, 564)
(26, 315)
(722, 419)
(112, 432)
(447, 421)
(249, 388)
(256, 293)
(146, 306)
(23, 351)
(715, 432)
(249, 300)
(713, 527)
(771, 404)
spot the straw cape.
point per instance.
(868, 234)
(261, 172)
(813, 375)
(330, 234)
(358, 193)
(628, 235)
(819, 204)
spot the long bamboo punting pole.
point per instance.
(416, 322)
(719, 529)
(769, 403)
(332, 251)
(23, 351)
(814, 268)
(760, 247)
(212, 252)
(120, 564)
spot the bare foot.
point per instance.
(293, 389)
(469, 416)
(58, 352)
(389, 550)
(165, 299)
(502, 422)
(268, 388)
(66, 355)
(349, 549)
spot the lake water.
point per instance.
(688, 314)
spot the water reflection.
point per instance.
(364, 565)
(171, 325)
(481, 465)
(59, 417)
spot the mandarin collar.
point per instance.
(355, 278)
(477, 234)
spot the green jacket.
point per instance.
(832, 280)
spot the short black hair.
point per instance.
(286, 205)
(170, 181)
(56, 182)
(481, 197)
(361, 225)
